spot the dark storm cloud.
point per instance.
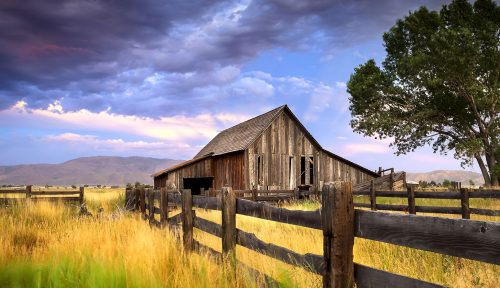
(91, 52)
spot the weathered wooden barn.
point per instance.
(269, 152)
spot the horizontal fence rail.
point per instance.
(27, 194)
(471, 239)
(410, 194)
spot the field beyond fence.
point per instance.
(340, 223)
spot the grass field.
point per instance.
(48, 245)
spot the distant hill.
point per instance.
(104, 170)
(453, 175)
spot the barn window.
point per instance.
(303, 170)
(311, 170)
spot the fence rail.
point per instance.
(27, 194)
(340, 223)
(410, 194)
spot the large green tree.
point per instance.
(438, 85)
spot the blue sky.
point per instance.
(160, 79)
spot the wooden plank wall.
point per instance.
(285, 139)
(228, 170)
(202, 168)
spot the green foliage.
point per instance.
(438, 85)
(446, 183)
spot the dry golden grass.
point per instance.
(49, 245)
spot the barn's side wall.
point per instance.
(202, 168)
(229, 169)
(281, 147)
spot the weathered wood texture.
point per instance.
(274, 159)
(337, 217)
(367, 277)
(381, 183)
(464, 195)
(229, 224)
(163, 206)
(464, 202)
(476, 240)
(229, 170)
(187, 220)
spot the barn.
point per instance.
(272, 151)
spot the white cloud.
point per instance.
(253, 87)
(179, 127)
(362, 148)
(341, 84)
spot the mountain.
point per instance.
(104, 170)
(453, 175)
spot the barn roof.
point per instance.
(239, 137)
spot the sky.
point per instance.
(161, 78)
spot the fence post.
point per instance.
(392, 179)
(464, 200)
(151, 205)
(229, 225)
(337, 216)
(163, 206)
(137, 199)
(142, 200)
(373, 196)
(127, 198)
(28, 191)
(411, 199)
(296, 193)
(187, 219)
(82, 189)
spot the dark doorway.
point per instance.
(195, 184)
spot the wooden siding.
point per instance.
(229, 171)
(201, 168)
(226, 169)
(285, 140)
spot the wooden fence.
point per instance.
(28, 194)
(340, 223)
(463, 194)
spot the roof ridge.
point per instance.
(247, 134)
(253, 118)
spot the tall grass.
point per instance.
(50, 245)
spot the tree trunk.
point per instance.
(491, 161)
(484, 171)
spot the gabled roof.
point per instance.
(239, 137)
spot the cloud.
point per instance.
(201, 127)
(107, 54)
(361, 148)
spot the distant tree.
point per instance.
(129, 185)
(471, 183)
(446, 183)
(138, 184)
(423, 184)
(433, 183)
(438, 85)
(73, 186)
